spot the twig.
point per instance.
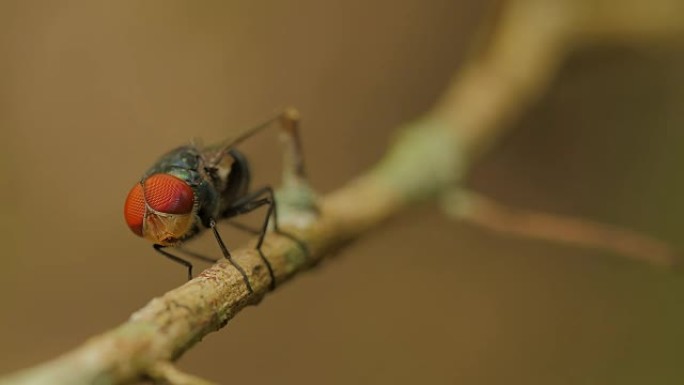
(530, 39)
(167, 373)
(479, 210)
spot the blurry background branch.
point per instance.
(516, 57)
(487, 213)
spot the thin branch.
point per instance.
(479, 210)
(530, 39)
(167, 373)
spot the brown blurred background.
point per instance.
(91, 94)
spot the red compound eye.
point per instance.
(164, 193)
(168, 194)
(134, 209)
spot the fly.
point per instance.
(191, 188)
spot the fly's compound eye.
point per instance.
(163, 193)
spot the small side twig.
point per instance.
(487, 213)
(167, 373)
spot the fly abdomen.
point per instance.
(238, 180)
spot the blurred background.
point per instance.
(91, 94)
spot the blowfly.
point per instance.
(191, 188)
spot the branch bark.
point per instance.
(530, 39)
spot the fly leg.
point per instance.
(160, 250)
(179, 260)
(226, 254)
(188, 265)
(243, 227)
(252, 202)
(197, 256)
